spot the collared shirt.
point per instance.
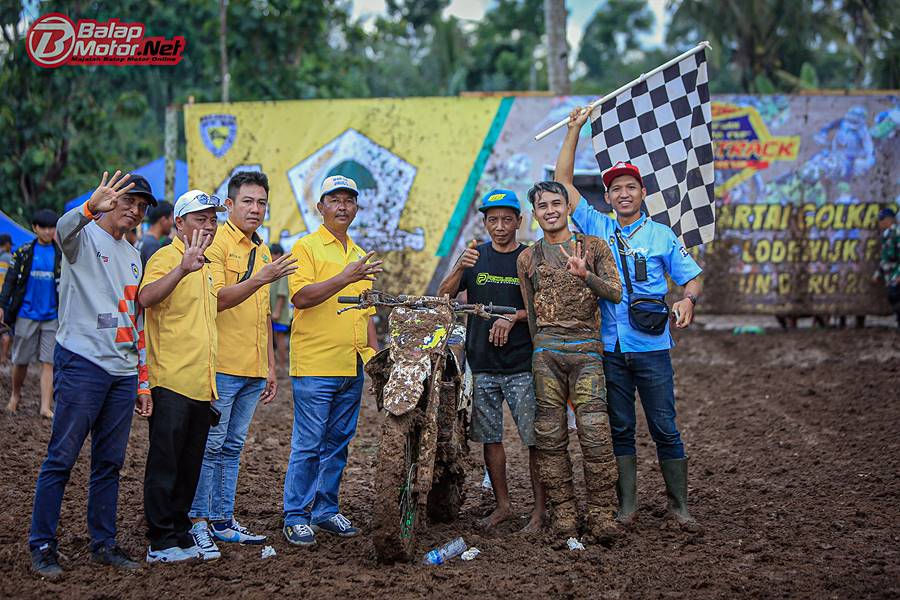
(181, 330)
(324, 343)
(665, 254)
(243, 329)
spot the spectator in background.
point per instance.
(889, 267)
(28, 301)
(282, 312)
(5, 258)
(157, 235)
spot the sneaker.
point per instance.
(170, 555)
(206, 547)
(232, 531)
(300, 535)
(45, 561)
(338, 525)
(114, 556)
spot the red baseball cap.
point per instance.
(619, 169)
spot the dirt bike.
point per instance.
(417, 381)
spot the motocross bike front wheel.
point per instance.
(396, 502)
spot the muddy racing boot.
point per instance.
(626, 490)
(556, 472)
(675, 474)
(599, 471)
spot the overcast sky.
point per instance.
(580, 12)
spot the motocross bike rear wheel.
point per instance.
(396, 502)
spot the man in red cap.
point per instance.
(636, 343)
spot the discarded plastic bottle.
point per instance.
(752, 329)
(451, 549)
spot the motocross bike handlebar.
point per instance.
(369, 299)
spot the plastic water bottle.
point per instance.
(451, 549)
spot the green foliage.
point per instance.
(60, 128)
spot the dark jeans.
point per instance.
(88, 400)
(893, 295)
(178, 430)
(651, 374)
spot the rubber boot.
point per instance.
(675, 474)
(626, 490)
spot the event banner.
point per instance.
(799, 182)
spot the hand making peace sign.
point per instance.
(106, 196)
(577, 262)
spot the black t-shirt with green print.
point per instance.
(493, 279)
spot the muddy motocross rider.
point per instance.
(562, 277)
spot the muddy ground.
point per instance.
(795, 461)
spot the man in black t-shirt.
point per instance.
(499, 351)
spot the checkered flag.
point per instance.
(662, 126)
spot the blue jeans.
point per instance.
(88, 400)
(651, 373)
(214, 499)
(326, 410)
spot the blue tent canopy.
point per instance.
(155, 172)
(19, 234)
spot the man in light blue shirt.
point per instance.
(633, 358)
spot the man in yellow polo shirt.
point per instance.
(242, 268)
(327, 354)
(179, 299)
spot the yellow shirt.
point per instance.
(324, 343)
(243, 329)
(180, 331)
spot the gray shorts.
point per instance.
(33, 341)
(487, 408)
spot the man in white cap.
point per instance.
(179, 298)
(327, 355)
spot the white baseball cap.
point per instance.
(197, 200)
(338, 182)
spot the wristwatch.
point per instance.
(692, 298)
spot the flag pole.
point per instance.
(627, 86)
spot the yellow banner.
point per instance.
(411, 158)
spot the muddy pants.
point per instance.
(564, 370)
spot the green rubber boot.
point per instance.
(626, 489)
(675, 474)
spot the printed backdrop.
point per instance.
(799, 181)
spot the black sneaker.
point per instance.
(45, 562)
(114, 557)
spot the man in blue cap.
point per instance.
(499, 351)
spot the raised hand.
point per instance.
(275, 270)
(106, 196)
(577, 262)
(193, 258)
(579, 116)
(469, 256)
(362, 269)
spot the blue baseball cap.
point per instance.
(500, 199)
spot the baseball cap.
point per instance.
(196, 200)
(886, 213)
(500, 199)
(338, 182)
(619, 169)
(142, 188)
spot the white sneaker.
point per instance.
(206, 547)
(169, 555)
(236, 533)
